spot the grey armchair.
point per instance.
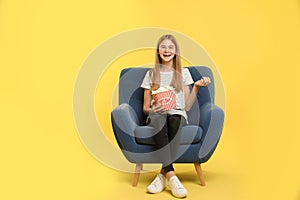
(199, 138)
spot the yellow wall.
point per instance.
(254, 44)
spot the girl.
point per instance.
(167, 123)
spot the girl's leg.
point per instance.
(167, 129)
(158, 122)
(175, 123)
(161, 138)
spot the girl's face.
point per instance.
(166, 50)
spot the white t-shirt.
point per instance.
(165, 80)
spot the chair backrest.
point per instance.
(131, 93)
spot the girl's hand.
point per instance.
(202, 82)
(156, 107)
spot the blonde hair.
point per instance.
(177, 75)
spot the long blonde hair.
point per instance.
(177, 74)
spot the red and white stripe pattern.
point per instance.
(166, 99)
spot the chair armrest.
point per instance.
(124, 122)
(211, 121)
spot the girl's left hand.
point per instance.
(203, 82)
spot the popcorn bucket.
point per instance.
(166, 99)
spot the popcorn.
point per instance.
(165, 96)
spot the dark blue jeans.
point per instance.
(167, 135)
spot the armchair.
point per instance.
(199, 138)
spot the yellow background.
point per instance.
(255, 45)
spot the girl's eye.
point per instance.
(171, 47)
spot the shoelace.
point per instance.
(157, 182)
(177, 185)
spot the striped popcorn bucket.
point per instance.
(166, 99)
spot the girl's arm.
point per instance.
(190, 97)
(147, 101)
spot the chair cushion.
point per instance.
(190, 134)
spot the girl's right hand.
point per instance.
(156, 107)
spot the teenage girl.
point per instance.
(167, 123)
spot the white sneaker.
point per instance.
(158, 184)
(176, 187)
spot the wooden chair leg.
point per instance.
(138, 168)
(200, 173)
